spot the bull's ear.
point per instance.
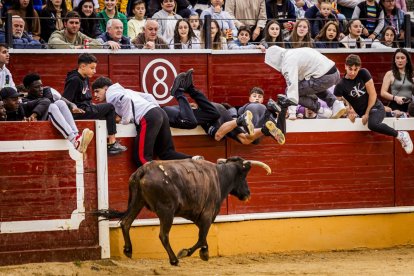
(221, 161)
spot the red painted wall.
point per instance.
(41, 185)
(223, 78)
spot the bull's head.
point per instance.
(240, 188)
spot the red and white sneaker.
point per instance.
(82, 140)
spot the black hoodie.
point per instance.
(77, 90)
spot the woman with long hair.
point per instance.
(184, 36)
(24, 8)
(51, 17)
(394, 17)
(217, 40)
(353, 33)
(328, 36)
(89, 22)
(301, 36)
(388, 39)
(397, 85)
(272, 35)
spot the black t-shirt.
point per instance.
(354, 91)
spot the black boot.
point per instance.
(285, 102)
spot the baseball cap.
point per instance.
(9, 92)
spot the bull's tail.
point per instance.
(134, 191)
(110, 214)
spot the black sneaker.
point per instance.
(273, 107)
(178, 83)
(116, 148)
(285, 102)
(245, 121)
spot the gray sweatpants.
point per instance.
(62, 119)
(314, 88)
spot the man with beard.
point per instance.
(70, 37)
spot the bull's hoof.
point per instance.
(204, 253)
(174, 262)
(183, 253)
(128, 252)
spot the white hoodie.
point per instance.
(123, 99)
(296, 65)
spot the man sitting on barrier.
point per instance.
(357, 87)
(58, 112)
(151, 121)
(308, 76)
(77, 91)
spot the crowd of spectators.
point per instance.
(178, 23)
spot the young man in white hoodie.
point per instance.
(308, 76)
(151, 121)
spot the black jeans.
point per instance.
(154, 138)
(376, 116)
(103, 111)
(183, 116)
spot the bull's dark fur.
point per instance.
(190, 189)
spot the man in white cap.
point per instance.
(308, 76)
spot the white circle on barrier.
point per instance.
(160, 81)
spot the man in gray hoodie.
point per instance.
(308, 75)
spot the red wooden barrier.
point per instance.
(45, 196)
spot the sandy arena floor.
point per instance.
(395, 261)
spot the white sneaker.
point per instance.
(82, 141)
(406, 143)
(292, 116)
(324, 113)
(338, 109)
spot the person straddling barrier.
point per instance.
(357, 87)
(308, 75)
(58, 112)
(210, 116)
(151, 121)
(184, 115)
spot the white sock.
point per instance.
(400, 135)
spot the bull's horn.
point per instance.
(260, 164)
(221, 160)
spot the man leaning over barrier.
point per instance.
(308, 75)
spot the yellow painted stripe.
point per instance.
(278, 235)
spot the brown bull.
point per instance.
(192, 189)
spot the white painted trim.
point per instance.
(130, 131)
(77, 215)
(282, 215)
(102, 185)
(297, 126)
